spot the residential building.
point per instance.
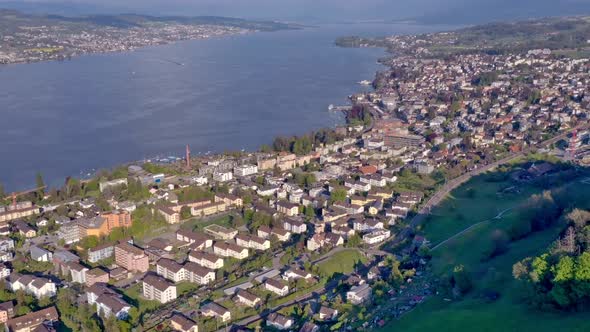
(225, 249)
(6, 311)
(158, 289)
(359, 294)
(247, 298)
(171, 216)
(213, 309)
(40, 254)
(220, 232)
(78, 272)
(287, 208)
(294, 226)
(279, 321)
(39, 287)
(69, 232)
(276, 286)
(253, 242)
(30, 321)
(198, 240)
(197, 274)
(377, 236)
(181, 323)
(100, 252)
(96, 275)
(170, 270)
(326, 314)
(131, 257)
(205, 259)
(245, 170)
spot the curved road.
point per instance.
(456, 182)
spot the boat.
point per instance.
(365, 82)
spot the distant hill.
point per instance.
(9, 18)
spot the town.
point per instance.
(26, 38)
(314, 233)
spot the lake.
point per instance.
(236, 92)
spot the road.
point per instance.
(449, 186)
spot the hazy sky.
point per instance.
(333, 10)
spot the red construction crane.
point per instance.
(20, 193)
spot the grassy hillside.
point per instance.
(477, 203)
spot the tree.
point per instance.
(2, 193)
(354, 241)
(185, 212)
(462, 279)
(338, 195)
(40, 183)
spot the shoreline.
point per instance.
(131, 50)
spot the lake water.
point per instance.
(236, 92)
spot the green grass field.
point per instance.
(472, 203)
(341, 262)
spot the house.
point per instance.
(294, 226)
(213, 309)
(282, 235)
(6, 244)
(158, 289)
(367, 225)
(225, 249)
(264, 232)
(39, 287)
(279, 321)
(100, 252)
(247, 298)
(287, 208)
(198, 240)
(296, 273)
(112, 304)
(107, 301)
(131, 258)
(220, 232)
(31, 321)
(25, 229)
(276, 286)
(205, 259)
(376, 236)
(309, 327)
(359, 294)
(327, 314)
(5, 271)
(181, 323)
(6, 311)
(40, 254)
(61, 260)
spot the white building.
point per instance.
(245, 170)
(222, 176)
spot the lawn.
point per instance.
(134, 297)
(197, 224)
(478, 201)
(341, 262)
